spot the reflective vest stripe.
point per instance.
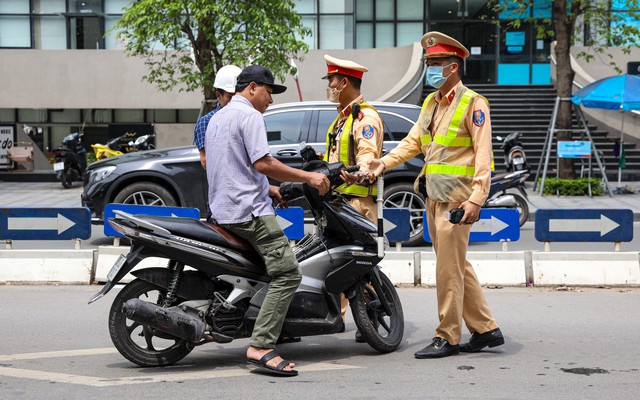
(450, 169)
(452, 142)
(426, 139)
(454, 126)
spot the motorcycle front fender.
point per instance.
(523, 192)
(121, 268)
(502, 201)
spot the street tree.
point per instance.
(608, 23)
(185, 42)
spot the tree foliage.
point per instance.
(606, 27)
(185, 42)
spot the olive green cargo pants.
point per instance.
(266, 236)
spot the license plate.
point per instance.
(518, 160)
(116, 267)
(59, 166)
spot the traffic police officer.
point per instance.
(354, 137)
(453, 132)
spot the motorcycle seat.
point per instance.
(201, 231)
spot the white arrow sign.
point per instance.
(60, 223)
(603, 225)
(493, 225)
(283, 222)
(388, 225)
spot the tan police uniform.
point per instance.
(366, 130)
(454, 134)
(355, 140)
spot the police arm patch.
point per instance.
(367, 132)
(478, 118)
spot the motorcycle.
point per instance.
(70, 159)
(500, 198)
(518, 171)
(142, 143)
(514, 156)
(161, 316)
(116, 147)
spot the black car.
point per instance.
(174, 177)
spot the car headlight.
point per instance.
(100, 173)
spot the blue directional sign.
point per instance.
(495, 224)
(45, 223)
(584, 225)
(291, 221)
(397, 224)
(158, 211)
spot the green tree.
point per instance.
(609, 23)
(185, 42)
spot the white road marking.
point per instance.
(57, 354)
(148, 377)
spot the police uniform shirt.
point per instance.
(476, 122)
(367, 135)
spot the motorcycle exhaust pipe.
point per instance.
(174, 321)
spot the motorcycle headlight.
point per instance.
(100, 173)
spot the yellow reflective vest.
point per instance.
(449, 157)
(345, 147)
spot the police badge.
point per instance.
(478, 118)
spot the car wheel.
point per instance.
(145, 193)
(401, 195)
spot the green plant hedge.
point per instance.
(572, 187)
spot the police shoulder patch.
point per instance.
(478, 118)
(367, 132)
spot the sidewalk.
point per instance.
(617, 201)
(52, 194)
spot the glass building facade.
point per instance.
(498, 55)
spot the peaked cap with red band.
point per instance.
(440, 45)
(343, 67)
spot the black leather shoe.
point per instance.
(359, 338)
(437, 349)
(479, 341)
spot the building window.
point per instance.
(50, 33)
(15, 24)
(389, 23)
(331, 23)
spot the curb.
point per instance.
(506, 268)
(47, 266)
(519, 268)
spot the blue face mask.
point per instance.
(434, 76)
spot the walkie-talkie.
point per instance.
(355, 110)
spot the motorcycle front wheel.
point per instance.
(381, 330)
(522, 207)
(138, 343)
(66, 178)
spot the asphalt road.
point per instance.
(561, 344)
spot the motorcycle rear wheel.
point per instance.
(140, 344)
(383, 332)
